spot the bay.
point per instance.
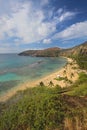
(15, 69)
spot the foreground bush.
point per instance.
(41, 108)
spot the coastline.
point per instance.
(70, 70)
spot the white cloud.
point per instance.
(47, 41)
(44, 2)
(63, 15)
(60, 10)
(46, 28)
(78, 30)
(29, 23)
(66, 15)
(26, 24)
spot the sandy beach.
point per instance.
(70, 71)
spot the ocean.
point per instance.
(15, 69)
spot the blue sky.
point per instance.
(38, 24)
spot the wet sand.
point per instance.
(70, 71)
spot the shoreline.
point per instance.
(70, 70)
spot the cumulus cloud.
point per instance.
(66, 15)
(78, 30)
(27, 24)
(47, 41)
(30, 23)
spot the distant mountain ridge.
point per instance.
(56, 51)
(49, 52)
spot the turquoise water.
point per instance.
(8, 77)
(16, 69)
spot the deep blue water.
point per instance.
(16, 69)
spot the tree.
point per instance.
(42, 84)
(51, 84)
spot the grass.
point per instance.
(80, 90)
(80, 87)
(35, 110)
(60, 78)
(81, 61)
(64, 79)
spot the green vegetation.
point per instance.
(51, 84)
(38, 109)
(41, 84)
(81, 61)
(80, 87)
(60, 78)
(43, 108)
(65, 79)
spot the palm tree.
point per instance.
(51, 84)
(42, 84)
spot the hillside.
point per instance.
(52, 52)
(49, 52)
(75, 51)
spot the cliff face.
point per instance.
(55, 52)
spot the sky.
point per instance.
(39, 24)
